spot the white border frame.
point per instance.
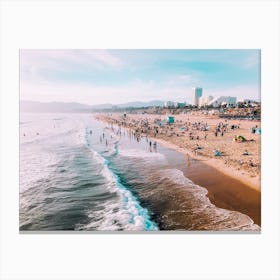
(127, 24)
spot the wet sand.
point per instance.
(230, 185)
(231, 162)
(225, 191)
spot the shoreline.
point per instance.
(220, 163)
(250, 182)
(225, 189)
(228, 188)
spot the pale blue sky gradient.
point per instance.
(117, 76)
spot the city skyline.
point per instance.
(117, 76)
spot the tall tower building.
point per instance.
(197, 93)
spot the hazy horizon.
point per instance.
(55, 101)
(94, 77)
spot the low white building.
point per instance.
(204, 100)
(229, 101)
(169, 104)
(179, 104)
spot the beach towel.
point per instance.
(240, 138)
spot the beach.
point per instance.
(232, 179)
(92, 173)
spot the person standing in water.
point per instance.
(155, 146)
(188, 160)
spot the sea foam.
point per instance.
(126, 214)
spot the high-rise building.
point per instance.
(197, 93)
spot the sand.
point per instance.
(225, 191)
(239, 186)
(232, 161)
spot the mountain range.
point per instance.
(73, 107)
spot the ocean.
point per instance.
(77, 173)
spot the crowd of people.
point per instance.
(211, 138)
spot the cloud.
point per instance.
(182, 80)
(105, 57)
(34, 62)
(98, 76)
(185, 78)
(252, 60)
(46, 91)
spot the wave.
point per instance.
(200, 205)
(69, 171)
(127, 213)
(142, 154)
(39, 131)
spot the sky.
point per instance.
(120, 76)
